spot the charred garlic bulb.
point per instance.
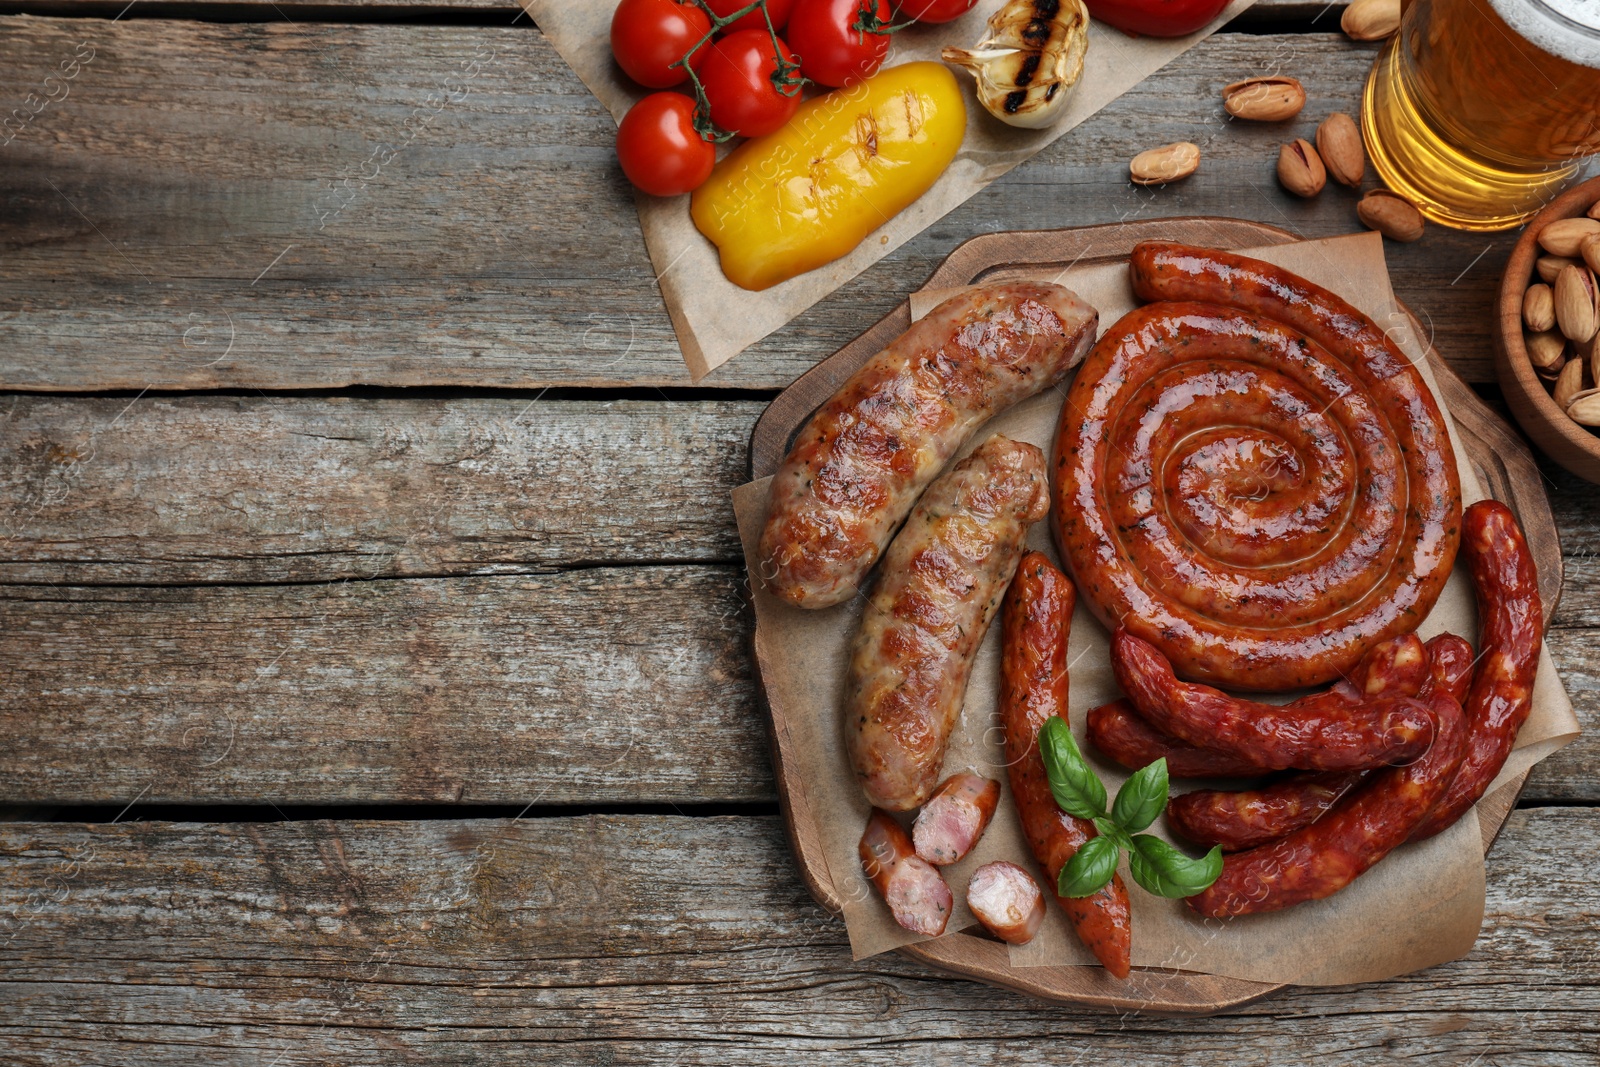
(1031, 56)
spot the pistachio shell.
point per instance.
(1538, 307)
(1563, 236)
(1300, 168)
(1575, 303)
(1339, 145)
(1157, 166)
(1548, 267)
(1584, 409)
(1391, 215)
(1546, 349)
(1371, 20)
(1569, 383)
(1267, 99)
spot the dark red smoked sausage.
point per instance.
(1245, 818)
(950, 823)
(1317, 861)
(1007, 901)
(1036, 620)
(1251, 476)
(1396, 667)
(916, 893)
(1345, 738)
(867, 454)
(1510, 635)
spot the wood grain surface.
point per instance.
(304, 593)
(367, 227)
(649, 940)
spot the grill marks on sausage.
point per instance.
(868, 452)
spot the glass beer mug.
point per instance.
(1480, 111)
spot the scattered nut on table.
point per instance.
(1266, 99)
(1339, 145)
(1157, 166)
(1391, 215)
(1370, 20)
(1300, 168)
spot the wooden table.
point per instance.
(376, 671)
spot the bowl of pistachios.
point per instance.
(1547, 349)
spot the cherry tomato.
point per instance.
(832, 51)
(648, 36)
(659, 148)
(935, 10)
(1156, 18)
(777, 10)
(737, 76)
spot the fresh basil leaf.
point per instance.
(1090, 868)
(1077, 789)
(1108, 828)
(1166, 872)
(1142, 797)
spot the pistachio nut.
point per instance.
(1575, 302)
(1563, 236)
(1538, 307)
(1339, 145)
(1370, 20)
(1546, 350)
(1267, 99)
(1157, 166)
(1300, 168)
(1391, 215)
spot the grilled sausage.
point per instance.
(1007, 901)
(1251, 476)
(1329, 738)
(916, 893)
(865, 457)
(1510, 635)
(950, 823)
(1035, 625)
(1317, 861)
(941, 584)
(1396, 667)
(1242, 819)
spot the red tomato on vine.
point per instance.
(660, 150)
(649, 36)
(839, 41)
(746, 91)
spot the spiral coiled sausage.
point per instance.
(1252, 476)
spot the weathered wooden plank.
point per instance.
(652, 939)
(182, 490)
(287, 206)
(591, 686)
(257, 489)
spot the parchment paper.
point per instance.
(1422, 905)
(715, 319)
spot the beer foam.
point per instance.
(1569, 29)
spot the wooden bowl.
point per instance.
(1563, 440)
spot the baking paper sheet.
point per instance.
(1421, 906)
(715, 319)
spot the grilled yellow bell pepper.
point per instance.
(845, 164)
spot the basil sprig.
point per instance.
(1155, 865)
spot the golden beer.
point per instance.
(1479, 111)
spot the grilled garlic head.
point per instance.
(1031, 56)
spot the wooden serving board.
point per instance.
(1502, 461)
